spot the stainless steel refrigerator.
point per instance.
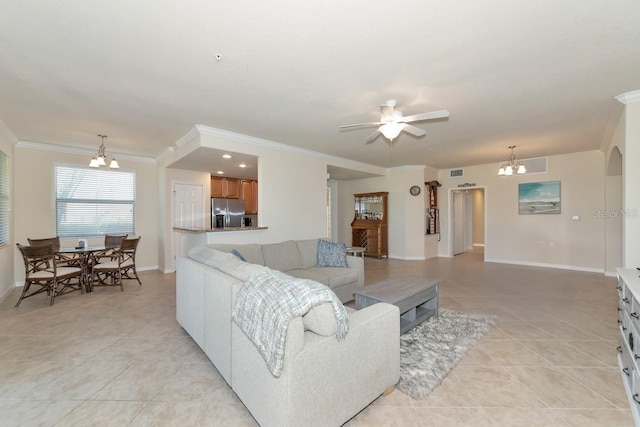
(226, 212)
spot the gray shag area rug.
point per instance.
(432, 349)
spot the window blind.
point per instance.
(94, 202)
(4, 199)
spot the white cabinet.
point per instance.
(628, 337)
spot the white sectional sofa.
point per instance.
(298, 258)
(324, 381)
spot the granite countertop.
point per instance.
(217, 230)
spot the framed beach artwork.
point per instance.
(537, 198)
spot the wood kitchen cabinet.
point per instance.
(225, 187)
(369, 226)
(249, 193)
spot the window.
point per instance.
(93, 202)
(4, 199)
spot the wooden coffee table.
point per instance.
(417, 298)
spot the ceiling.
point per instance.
(539, 75)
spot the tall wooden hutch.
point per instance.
(369, 226)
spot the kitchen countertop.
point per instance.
(217, 230)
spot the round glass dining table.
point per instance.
(85, 257)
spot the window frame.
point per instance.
(5, 197)
(83, 229)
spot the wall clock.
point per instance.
(415, 190)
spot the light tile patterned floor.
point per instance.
(119, 358)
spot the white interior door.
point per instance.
(458, 223)
(468, 222)
(188, 212)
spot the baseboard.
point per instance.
(6, 294)
(407, 258)
(547, 265)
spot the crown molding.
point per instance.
(79, 151)
(6, 132)
(629, 97)
(238, 137)
(188, 137)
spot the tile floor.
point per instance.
(120, 359)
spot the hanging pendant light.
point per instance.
(512, 166)
(101, 158)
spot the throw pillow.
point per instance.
(238, 254)
(332, 254)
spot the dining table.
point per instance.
(85, 257)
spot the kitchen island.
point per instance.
(187, 238)
(216, 230)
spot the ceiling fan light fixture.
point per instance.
(391, 130)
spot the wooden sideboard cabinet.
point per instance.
(369, 225)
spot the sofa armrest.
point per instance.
(358, 264)
(326, 381)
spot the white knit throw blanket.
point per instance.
(266, 304)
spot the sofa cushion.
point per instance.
(321, 320)
(332, 254)
(308, 252)
(251, 252)
(330, 276)
(282, 256)
(225, 262)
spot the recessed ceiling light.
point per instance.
(226, 156)
(242, 165)
(220, 172)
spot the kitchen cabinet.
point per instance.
(225, 187)
(369, 225)
(249, 193)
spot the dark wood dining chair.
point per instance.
(43, 270)
(111, 244)
(70, 260)
(113, 272)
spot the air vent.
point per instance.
(535, 165)
(456, 173)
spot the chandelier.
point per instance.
(101, 158)
(511, 166)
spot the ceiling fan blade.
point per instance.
(360, 125)
(425, 116)
(414, 130)
(372, 137)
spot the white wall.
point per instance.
(34, 202)
(405, 212)
(292, 187)
(7, 281)
(514, 238)
(631, 195)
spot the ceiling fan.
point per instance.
(392, 122)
